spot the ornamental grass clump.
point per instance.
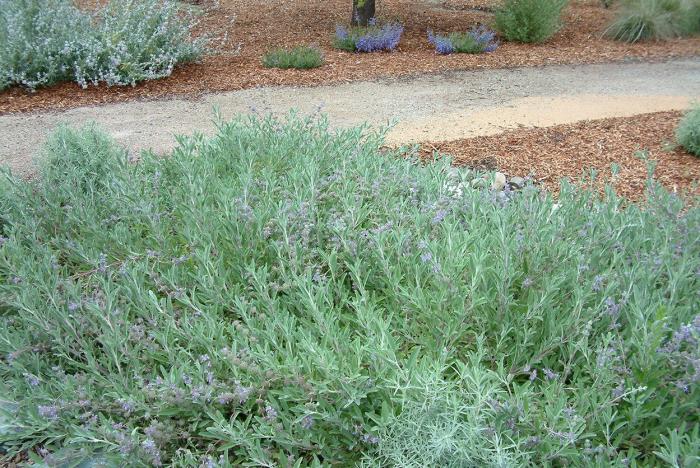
(476, 41)
(371, 38)
(301, 57)
(688, 131)
(121, 43)
(640, 20)
(282, 294)
(529, 21)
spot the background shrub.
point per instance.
(126, 41)
(689, 17)
(639, 20)
(478, 40)
(371, 38)
(282, 294)
(688, 131)
(298, 57)
(529, 20)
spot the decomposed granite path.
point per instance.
(439, 107)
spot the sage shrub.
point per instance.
(283, 294)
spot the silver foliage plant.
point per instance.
(121, 43)
(284, 295)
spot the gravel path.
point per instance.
(441, 107)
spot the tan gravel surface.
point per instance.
(258, 25)
(440, 107)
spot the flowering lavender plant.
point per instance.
(478, 40)
(286, 293)
(372, 38)
(122, 43)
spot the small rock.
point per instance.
(517, 182)
(499, 181)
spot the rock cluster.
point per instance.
(460, 178)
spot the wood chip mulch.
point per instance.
(570, 151)
(255, 26)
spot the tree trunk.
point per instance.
(362, 12)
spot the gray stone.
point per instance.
(499, 181)
(517, 182)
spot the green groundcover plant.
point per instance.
(121, 43)
(688, 131)
(302, 57)
(529, 21)
(284, 295)
(639, 20)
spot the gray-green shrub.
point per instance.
(301, 57)
(126, 41)
(639, 20)
(531, 21)
(688, 131)
(281, 294)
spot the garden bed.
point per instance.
(260, 26)
(281, 295)
(549, 154)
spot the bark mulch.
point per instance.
(254, 26)
(570, 151)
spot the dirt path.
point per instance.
(441, 107)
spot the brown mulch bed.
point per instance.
(262, 24)
(570, 151)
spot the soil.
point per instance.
(254, 26)
(573, 150)
(440, 107)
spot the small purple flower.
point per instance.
(443, 44)
(618, 391)
(426, 257)
(341, 33)
(477, 40)
(102, 263)
(242, 393)
(549, 374)
(527, 282)
(127, 406)
(485, 37)
(270, 413)
(151, 449)
(226, 398)
(597, 283)
(533, 375)
(307, 422)
(439, 216)
(32, 380)
(370, 439)
(318, 277)
(48, 411)
(373, 38)
(612, 308)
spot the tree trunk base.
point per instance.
(362, 12)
